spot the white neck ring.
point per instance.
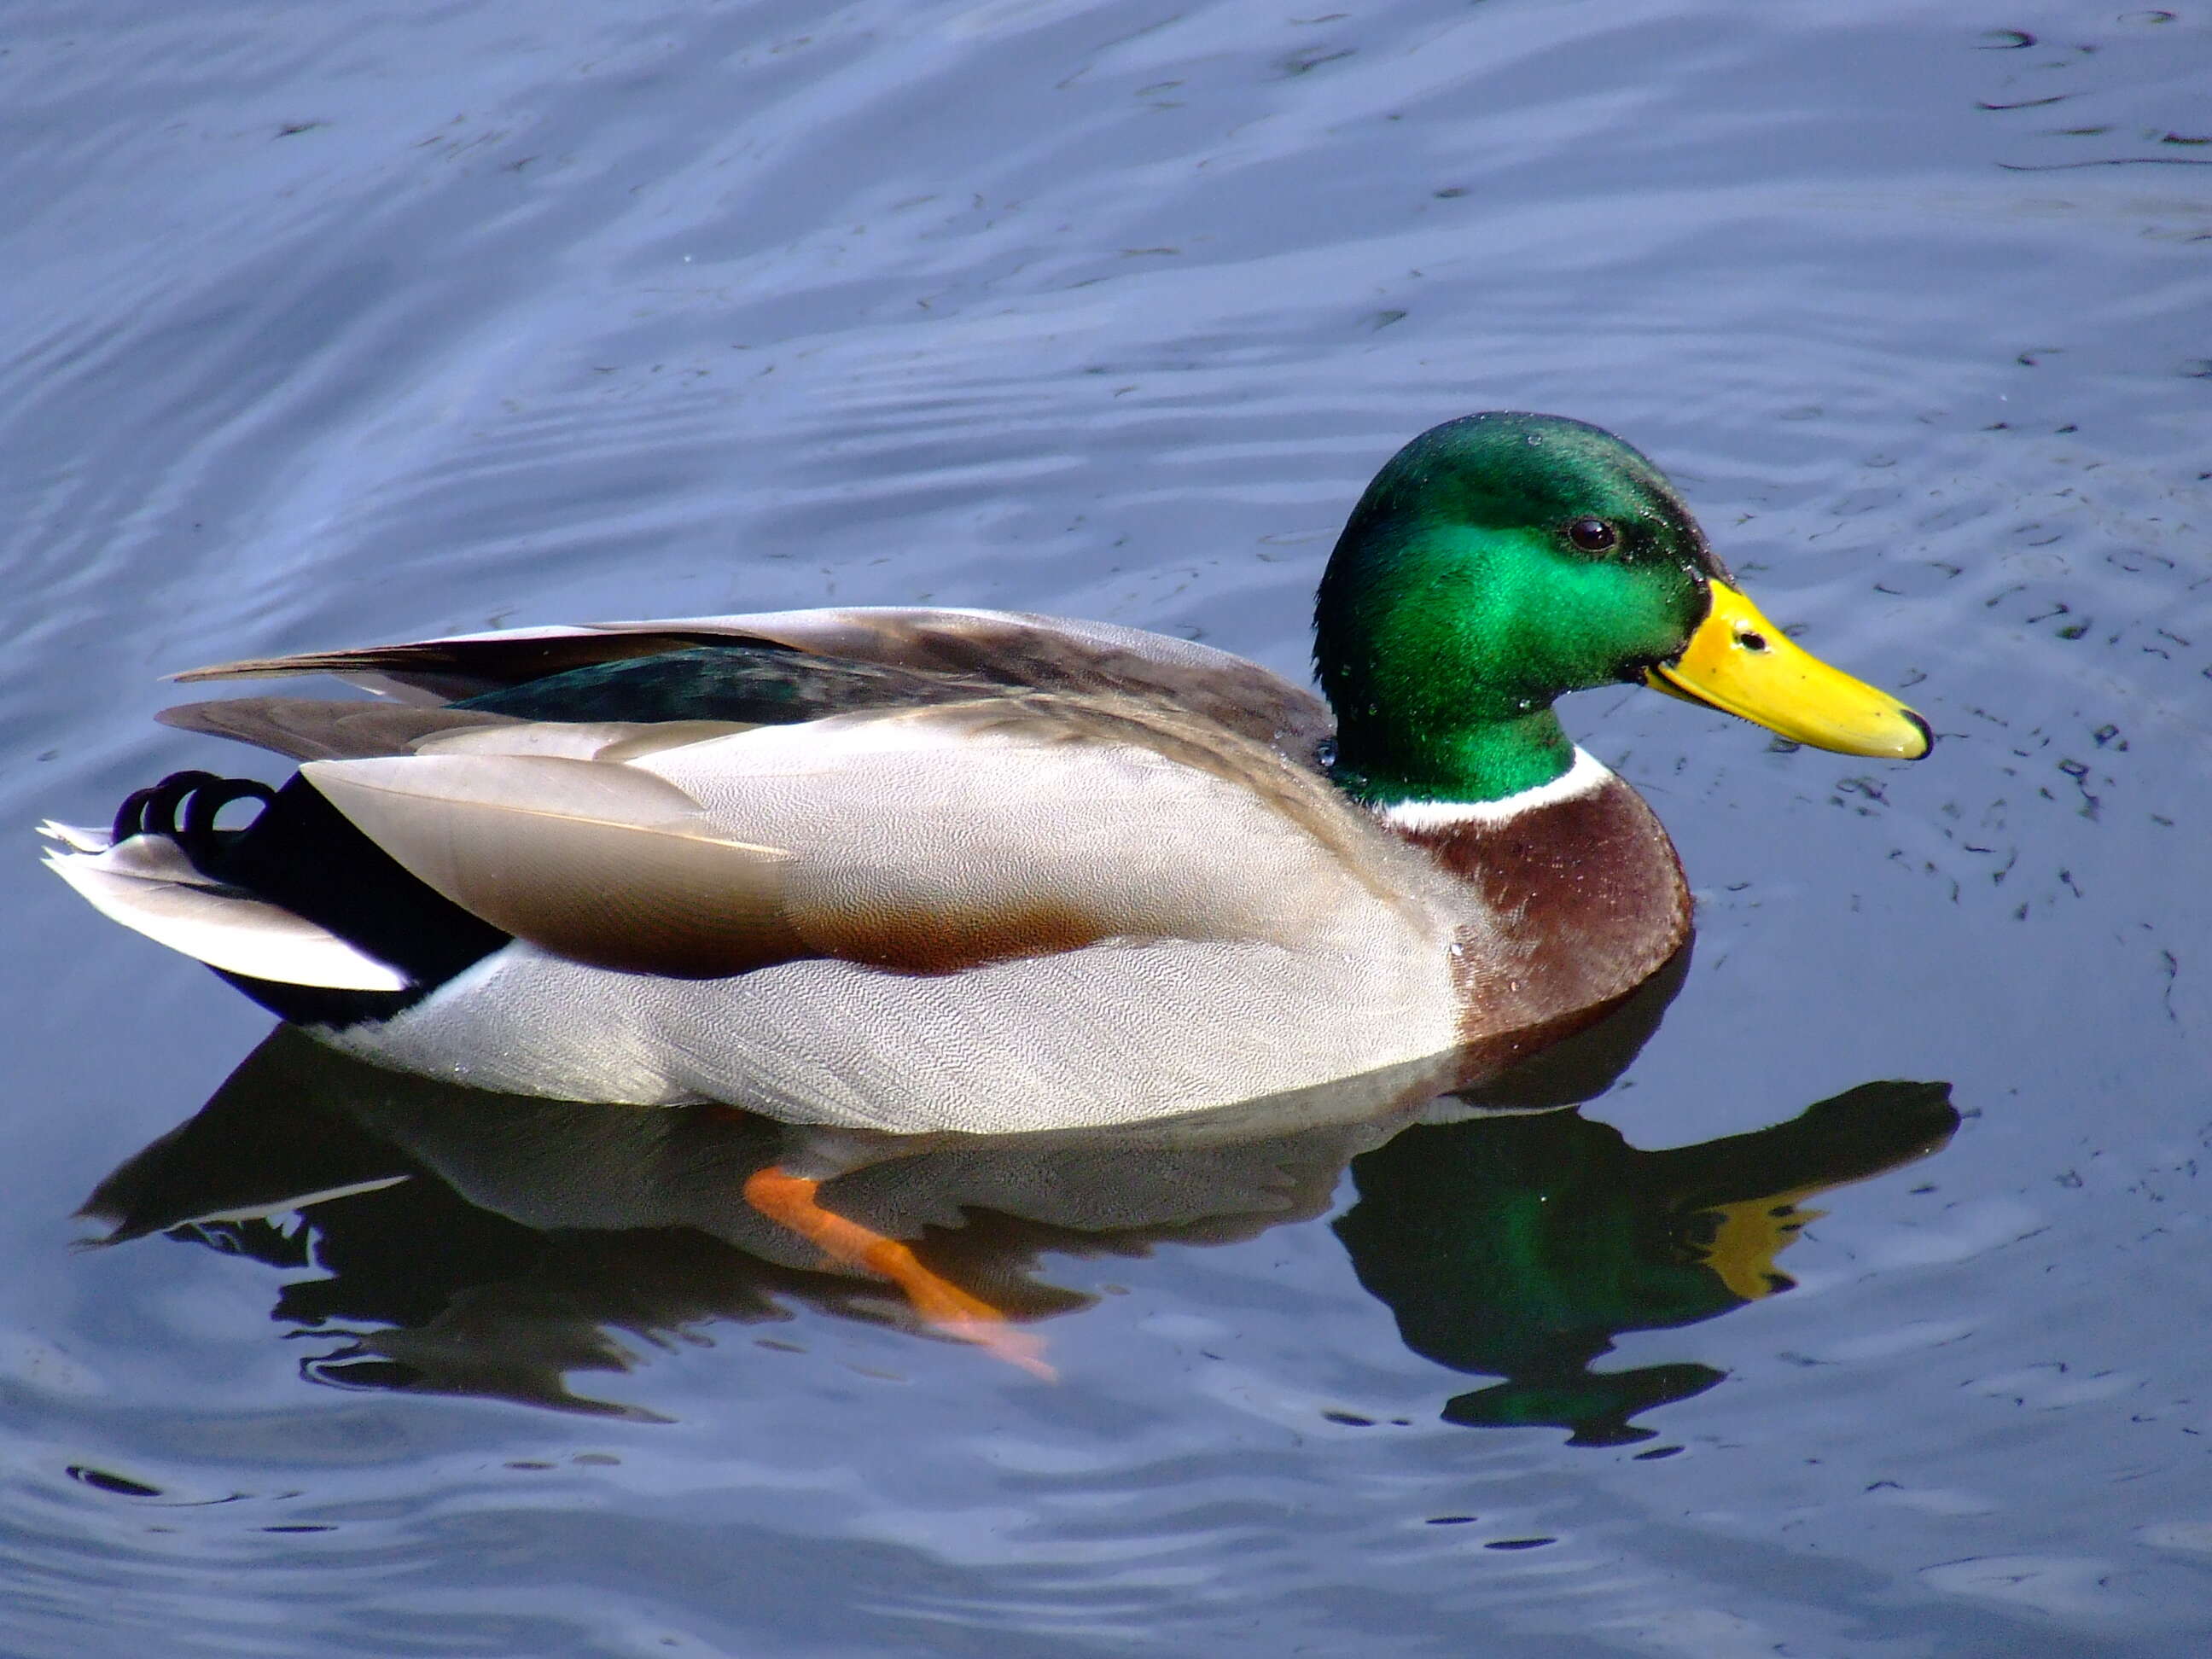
(1586, 777)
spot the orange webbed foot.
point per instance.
(791, 1200)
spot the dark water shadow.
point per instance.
(495, 1245)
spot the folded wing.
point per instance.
(980, 649)
(922, 842)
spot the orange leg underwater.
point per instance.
(790, 1200)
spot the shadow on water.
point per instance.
(474, 1243)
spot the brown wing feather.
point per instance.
(1043, 653)
(1007, 648)
(613, 867)
(603, 864)
(314, 728)
(463, 668)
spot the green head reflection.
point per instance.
(1522, 1246)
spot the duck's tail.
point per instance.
(158, 871)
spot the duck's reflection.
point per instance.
(1520, 1247)
(495, 1245)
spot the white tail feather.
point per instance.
(77, 837)
(147, 883)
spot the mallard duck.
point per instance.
(949, 870)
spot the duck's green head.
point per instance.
(1501, 560)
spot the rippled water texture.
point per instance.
(334, 324)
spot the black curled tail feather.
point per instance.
(200, 796)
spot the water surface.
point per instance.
(333, 327)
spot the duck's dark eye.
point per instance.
(1592, 535)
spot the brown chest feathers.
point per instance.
(1587, 900)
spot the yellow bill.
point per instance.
(1739, 662)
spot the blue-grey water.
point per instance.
(338, 325)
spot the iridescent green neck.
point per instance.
(1382, 763)
(1441, 649)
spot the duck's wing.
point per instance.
(911, 647)
(921, 842)
(316, 728)
(1015, 913)
(735, 684)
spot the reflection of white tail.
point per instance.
(147, 883)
